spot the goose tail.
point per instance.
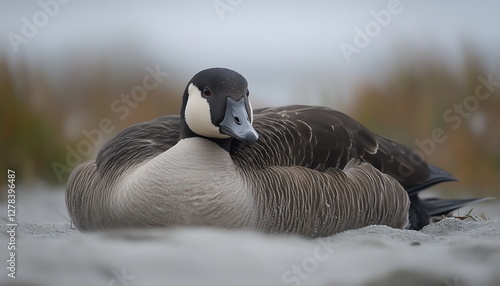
(436, 176)
(440, 207)
(422, 209)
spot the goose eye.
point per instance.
(248, 92)
(206, 92)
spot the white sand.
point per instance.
(451, 252)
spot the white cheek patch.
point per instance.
(197, 115)
(251, 111)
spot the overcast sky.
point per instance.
(276, 45)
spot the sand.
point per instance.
(451, 252)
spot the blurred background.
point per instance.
(75, 73)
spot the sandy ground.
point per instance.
(449, 253)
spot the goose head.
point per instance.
(216, 106)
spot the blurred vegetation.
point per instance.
(413, 100)
(29, 138)
(39, 121)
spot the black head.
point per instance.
(216, 106)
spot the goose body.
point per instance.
(305, 170)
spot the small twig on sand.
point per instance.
(469, 215)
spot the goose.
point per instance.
(304, 170)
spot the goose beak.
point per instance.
(236, 122)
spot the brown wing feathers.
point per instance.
(321, 138)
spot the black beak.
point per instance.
(236, 122)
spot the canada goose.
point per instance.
(296, 169)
